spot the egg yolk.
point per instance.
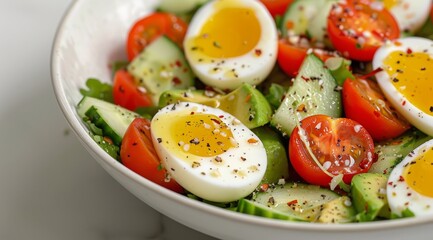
(389, 4)
(202, 134)
(412, 75)
(230, 32)
(419, 174)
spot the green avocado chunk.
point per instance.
(246, 103)
(339, 210)
(278, 165)
(369, 196)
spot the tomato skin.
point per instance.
(147, 29)
(331, 140)
(138, 154)
(290, 57)
(348, 23)
(276, 7)
(364, 102)
(127, 94)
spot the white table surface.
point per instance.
(50, 187)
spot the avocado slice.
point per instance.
(339, 210)
(246, 103)
(278, 165)
(369, 196)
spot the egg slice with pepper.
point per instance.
(208, 151)
(406, 79)
(230, 42)
(409, 14)
(409, 185)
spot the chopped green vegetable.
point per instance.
(98, 89)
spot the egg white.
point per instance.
(248, 68)
(411, 14)
(400, 195)
(242, 167)
(414, 115)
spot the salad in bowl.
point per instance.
(304, 117)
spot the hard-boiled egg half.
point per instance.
(409, 14)
(410, 183)
(230, 42)
(407, 79)
(208, 151)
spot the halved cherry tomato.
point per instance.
(365, 103)
(340, 145)
(276, 7)
(138, 154)
(127, 94)
(290, 57)
(357, 30)
(151, 27)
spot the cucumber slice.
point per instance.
(314, 91)
(392, 152)
(161, 66)
(300, 202)
(111, 118)
(317, 26)
(180, 7)
(257, 209)
(298, 15)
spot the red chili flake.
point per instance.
(372, 73)
(305, 78)
(409, 51)
(264, 187)
(215, 121)
(221, 116)
(390, 183)
(178, 63)
(403, 103)
(258, 52)
(176, 81)
(192, 113)
(252, 140)
(293, 202)
(248, 98)
(401, 179)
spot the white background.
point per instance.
(50, 187)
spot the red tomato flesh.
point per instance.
(147, 29)
(365, 103)
(290, 57)
(357, 30)
(276, 7)
(127, 94)
(341, 146)
(138, 154)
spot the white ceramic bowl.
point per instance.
(91, 35)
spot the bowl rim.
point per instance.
(95, 150)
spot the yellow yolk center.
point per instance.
(202, 135)
(419, 174)
(412, 75)
(389, 4)
(230, 32)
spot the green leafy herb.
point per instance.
(98, 89)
